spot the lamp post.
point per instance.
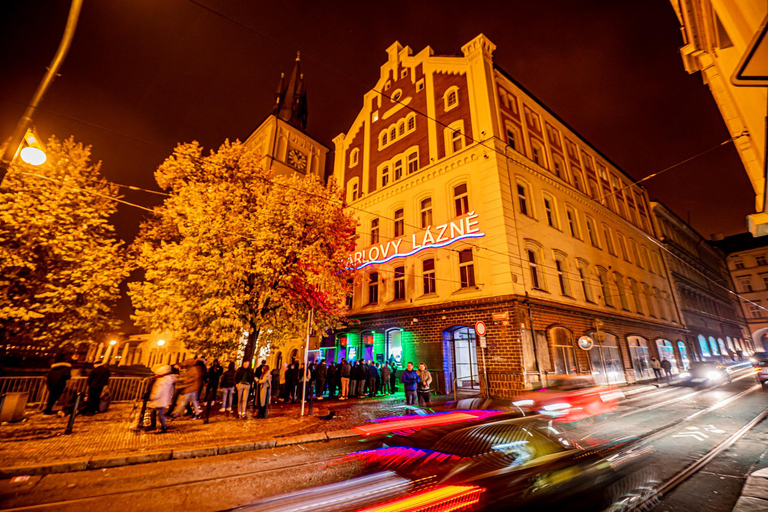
(12, 149)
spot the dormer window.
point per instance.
(451, 98)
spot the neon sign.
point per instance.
(430, 238)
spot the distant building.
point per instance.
(703, 291)
(715, 37)
(748, 264)
(478, 203)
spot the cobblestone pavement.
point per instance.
(41, 438)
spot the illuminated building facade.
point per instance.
(477, 203)
(702, 291)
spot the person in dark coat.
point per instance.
(292, 381)
(373, 376)
(345, 370)
(393, 379)
(98, 378)
(378, 379)
(56, 381)
(263, 392)
(332, 380)
(228, 385)
(410, 381)
(353, 377)
(386, 372)
(666, 365)
(321, 374)
(243, 382)
(214, 376)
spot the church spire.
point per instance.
(291, 98)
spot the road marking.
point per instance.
(694, 433)
(714, 429)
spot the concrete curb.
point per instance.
(128, 459)
(754, 494)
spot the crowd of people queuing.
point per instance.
(185, 388)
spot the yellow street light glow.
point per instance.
(161, 342)
(31, 139)
(33, 156)
(113, 342)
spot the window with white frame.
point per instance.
(537, 154)
(592, 232)
(384, 172)
(466, 269)
(451, 98)
(605, 289)
(428, 275)
(523, 200)
(635, 290)
(399, 282)
(374, 231)
(745, 284)
(649, 299)
(397, 168)
(454, 137)
(755, 310)
(619, 279)
(578, 181)
(513, 137)
(425, 209)
(586, 288)
(573, 222)
(562, 275)
(738, 264)
(353, 189)
(636, 254)
(550, 211)
(353, 157)
(537, 277)
(623, 246)
(399, 226)
(461, 199)
(373, 288)
(413, 162)
(608, 239)
(558, 166)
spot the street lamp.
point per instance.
(33, 153)
(160, 343)
(113, 342)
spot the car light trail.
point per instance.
(443, 499)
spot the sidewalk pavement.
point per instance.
(754, 494)
(39, 445)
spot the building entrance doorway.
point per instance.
(462, 350)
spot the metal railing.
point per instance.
(121, 389)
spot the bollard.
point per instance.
(71, 421)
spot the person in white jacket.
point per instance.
(160, 395)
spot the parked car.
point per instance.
(568, 398)
(706, 374)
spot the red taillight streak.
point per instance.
(427, 421)
(451, 498)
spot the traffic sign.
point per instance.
(480, 328)
(752, 70)
(483, 342)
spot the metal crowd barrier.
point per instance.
(122, 389)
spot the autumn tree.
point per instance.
(60, 264)
(237, 249)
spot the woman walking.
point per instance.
(160, 396)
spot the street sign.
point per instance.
(752, 70)
(586, 343)
(501, 316)
(483, 342)
(480, 328)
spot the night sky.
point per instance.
(143, 75)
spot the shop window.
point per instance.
(399, 283)
(641, 357)
(426, 212)
(461, 199)
(374, 231)
(466, 269)
(703, 346)
(399, 223)
(565, 356)
(428, 275)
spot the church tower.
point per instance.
(281, 138)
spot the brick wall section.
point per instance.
(443, 82)
(356, 171)
(427, 339)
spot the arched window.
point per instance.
(713, 346)
(401, 128)
(538, 155)
(385, 175)
(353, 157)
(537, 277)
(426, 212)
(586, 287)
(635, 289)
(683, 355)
(451, 98)
(622, 291)
(602, 278)
(558, 166)
(374, 231)
(565, 356)
(641, 357)
(373, 288)
(399, 223)
(454, 137)
(513, 137)
(704, 347)
(399, 283)
(393, 134)
(428, 275)
(384, 138)
(561, 268)
(411, 122)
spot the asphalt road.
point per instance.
(697, 421)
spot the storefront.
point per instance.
(605, 358)
(641, 357)
(667, 351)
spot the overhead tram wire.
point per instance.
(426, 116)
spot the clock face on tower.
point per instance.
(297, 159)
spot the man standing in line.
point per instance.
(386, 371)
(214, 375)
(410, 382)
(333, 379)
(373, 376)
(321, 373)
(98, 378)
(345, 372)
(393, 379)
(56, 381)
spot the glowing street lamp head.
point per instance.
(33, 156)
(160, 343)
(113, 342)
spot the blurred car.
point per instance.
(498, 464)
(568, 398)
(706, 374)
(760, 364)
